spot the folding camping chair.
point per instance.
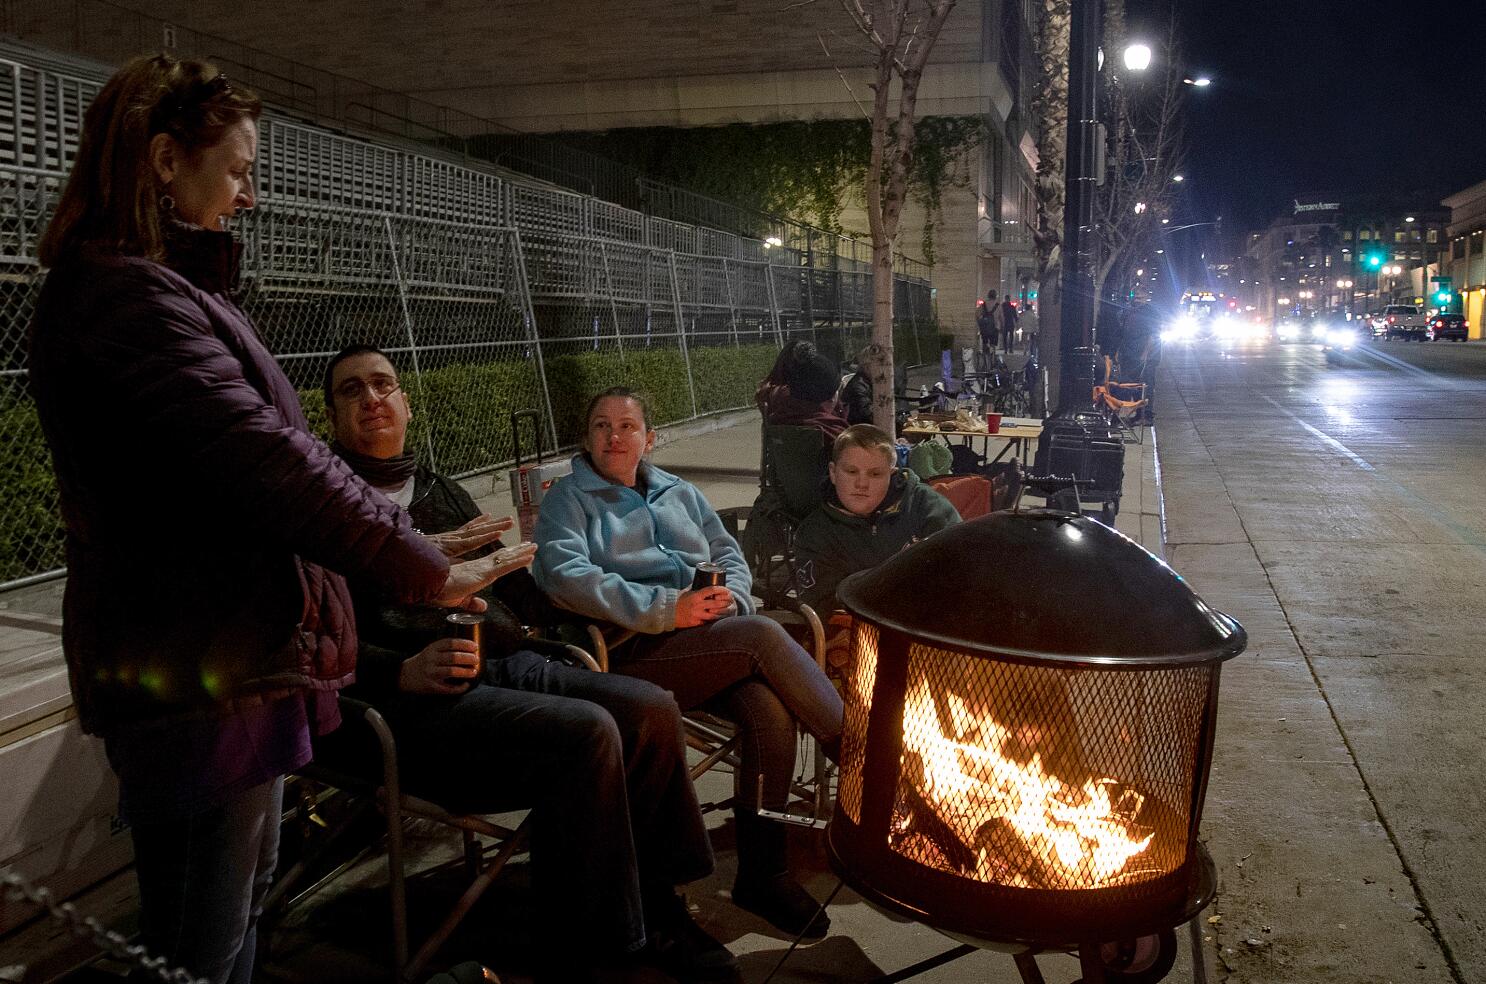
(372, 780)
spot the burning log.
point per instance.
(1003, 816)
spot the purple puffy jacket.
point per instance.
(204, 521)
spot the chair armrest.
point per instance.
(606, 636)
(351, 707)
(581, 655)
(817, 629)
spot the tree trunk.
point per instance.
(878, 365)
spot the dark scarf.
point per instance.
(208, 258)
(382, 473)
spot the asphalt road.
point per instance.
(1337, 512)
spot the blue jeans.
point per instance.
(750, 670)
(600, 759)
(202, 881)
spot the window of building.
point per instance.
(1476, 243)
(1415, 235)
(1328, 260)
(1364, 234)
(1433, 236)
(1398, 236)
(1346, 235)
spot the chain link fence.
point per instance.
(493, 296)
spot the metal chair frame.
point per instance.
(483, 862)
(717, 739)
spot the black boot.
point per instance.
(764, 885)
(679, 946)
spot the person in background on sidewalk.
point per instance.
(620, 541)
(1140, 353)
(990, 328)
(1008, 325)
(600, 757)
(779, 374)
(872, 510)
(856, 394)
(206, 622)
(808, 398)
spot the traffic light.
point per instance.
(1442, 298)
(1374, 260)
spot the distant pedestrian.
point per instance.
(990, 326)
(1008, 325)
(1140, 354)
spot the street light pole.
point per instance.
(1076, 331)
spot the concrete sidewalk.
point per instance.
(328, 940)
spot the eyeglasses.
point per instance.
(381, 387)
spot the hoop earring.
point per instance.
(167, 203)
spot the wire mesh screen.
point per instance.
(861, 678)
(1046, 778)
(493, 295)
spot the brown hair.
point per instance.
(866, 437)
(112, 198)
(619, 392)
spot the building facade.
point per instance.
(1465, 261)
(1344, 256)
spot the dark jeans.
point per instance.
(601, 760)
(750, 670)
(202, 881)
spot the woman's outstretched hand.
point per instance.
(469, 576)
(479, 531)
(703, 605)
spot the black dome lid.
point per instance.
(1043, 585)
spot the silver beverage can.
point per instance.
(467, 625)
(709, 575)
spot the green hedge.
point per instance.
(466, 409)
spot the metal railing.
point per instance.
(495, 294)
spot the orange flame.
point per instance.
(1079, 836)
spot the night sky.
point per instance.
(1325, 97)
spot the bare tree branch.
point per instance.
(841, 75)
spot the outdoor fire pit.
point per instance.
(1030, 716)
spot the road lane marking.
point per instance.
(1331, 442)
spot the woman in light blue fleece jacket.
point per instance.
(620, 540)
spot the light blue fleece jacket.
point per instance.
(606, 552)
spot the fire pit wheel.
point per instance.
(1143, 960)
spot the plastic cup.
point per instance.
(993, 423)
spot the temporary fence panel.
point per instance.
(487, 291)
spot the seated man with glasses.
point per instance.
(600, 758)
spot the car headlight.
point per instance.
(1341, 338)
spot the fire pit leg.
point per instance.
(924, 966)
(1026, 963)
(1091, 963)
(1199, 959)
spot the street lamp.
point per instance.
(1201, 81)
(1138, 57)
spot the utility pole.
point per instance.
(1076, 332)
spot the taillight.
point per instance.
(1392, 319)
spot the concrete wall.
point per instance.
(575, 64)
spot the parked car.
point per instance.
(1404, 321)
(1452, 326)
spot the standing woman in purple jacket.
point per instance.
(206, 623)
